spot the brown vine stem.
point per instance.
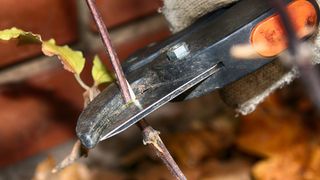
(150, 136)
(124, 87)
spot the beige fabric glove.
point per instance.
(245, 94)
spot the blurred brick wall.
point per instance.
(40, 102)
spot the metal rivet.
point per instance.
(178, 52)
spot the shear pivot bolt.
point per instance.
(178, 52)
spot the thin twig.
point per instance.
(150, 136)
(124, 87)
(298, 55)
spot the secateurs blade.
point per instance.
(189, 64)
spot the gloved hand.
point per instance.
(245, 94)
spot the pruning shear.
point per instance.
(193, 63)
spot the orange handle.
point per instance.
(268, 37)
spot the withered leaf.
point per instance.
(15, 33)
(73, 60)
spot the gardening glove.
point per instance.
(245, 94)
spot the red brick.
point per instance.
(38, 114)
(117, 12)
(50, 18)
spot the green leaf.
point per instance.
(23, 36)
(73, 61)
(99, 72)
